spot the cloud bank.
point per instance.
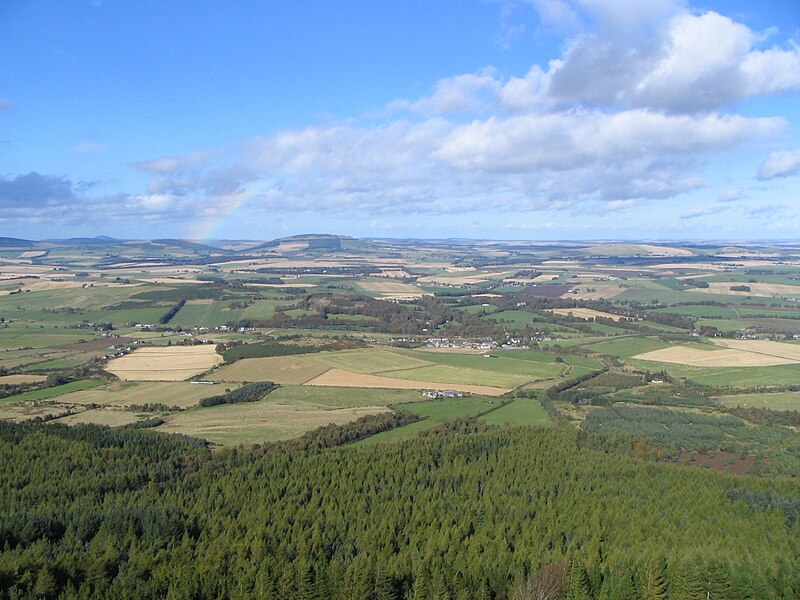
(643, 96)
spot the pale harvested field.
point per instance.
(399, 297)
(756, 289)
(665, 250)
(696, 266)
(17, 379)
(452, 280)
(642, 249)
(396, 273)
(537, 279)
(153, 267)
(38, 285)
(15, 267)
(600, 292)
(125, 393)
(33, 254)
(100, 416)
(737, 253)
(262, 421)
(464, 279)
(488, 295)
(390, 288)
(585, 313)
(291, 246)
(165, 363)
(433, 265)
(454, 350)
(375, 284)
(767, 347)
(281, 262)
(724, 357)
(283, 285)
(26, 411)
(340, 378)
(285, 370)
(168, 280)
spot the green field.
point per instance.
(51, 365)
(629, 346)
(513, 317)
(479, 309)
(725, 325)
(668, 296)
(370, 360)
(436, 412)
(26, 335)
(264, 309)
(206, 314)
(522, 411)
(547, 357)
(288, 370)
(52, 392)
(773, 401)
(445, 374)
(530, 364)
(341, 397)
(726, 376)
(258, 422)
(95, 298)
(124, 393)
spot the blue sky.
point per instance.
(523, 119)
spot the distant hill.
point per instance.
(8, 242)
(100, 240)
(318, 243)
(187, 244)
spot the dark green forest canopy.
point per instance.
(94, 512)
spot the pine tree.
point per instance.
(653, 585)
(384, 585)
(46, 585)
(286, 584)
(579, 588)
(419, 587)
(438, 588)
(304, 580)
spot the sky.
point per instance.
(482, 119)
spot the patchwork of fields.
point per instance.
(63, 309)
(493, 375)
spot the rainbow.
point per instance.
(221, 216)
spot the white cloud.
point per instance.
(651, 55)
(620, 204)
(471, 91)
(780, 164)
(699, 211)
(732, 195)
(641, 99)
(766, 211)
(523, 162)
(565, 140)
(5, 104)
(170, 164)
(772, 71)
(88, 148)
